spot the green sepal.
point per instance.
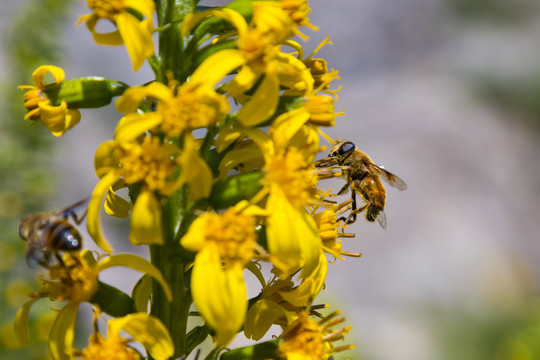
(196, 336)
(262, 351)
(232, 189)
(84, 93)
(113, 301)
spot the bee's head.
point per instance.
(341, 149)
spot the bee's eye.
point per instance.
(345, 148)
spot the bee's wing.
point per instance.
(391, 179)
(70, 211)
(382, 219)
(35, 250)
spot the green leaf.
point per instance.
(232, 189)
(262, 351)
(196, 336)
(113, 301)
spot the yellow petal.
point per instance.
(196, 173)
(93, 223)
(144, 7)
(145, 222)
(231, 16)
(39, 74)
(219, 294)
(133, 125)
(264, 141)
(142, 291)
(116, 205)
(262, 104)
(244, 155)
(194, 239)
(260, 317)
(58, 119)
(112, 38)
(20, 325)
(104, 160)
(137, 38)
(216, 66)
(62, 332)
(132, 97)
(309, 288)
(136, 263)
(147, 330)
(287, 125)
(225, 138)
(293, 240)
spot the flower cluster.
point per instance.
(218, 159)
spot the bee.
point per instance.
(49, 233)
(363, 177)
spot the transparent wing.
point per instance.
(391, 179)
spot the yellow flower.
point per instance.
(146, 329)
(319, 70)
(298, 10)
(330, 233)
(281, 300)
(57, 118)
(289, 184)
(192, 105)
(305, 339)
(154, 165)
(257, 56)
(76, 281)
(125, 14)
(224, 244)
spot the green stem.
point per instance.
(174, 315)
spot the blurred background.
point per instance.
(443, 93)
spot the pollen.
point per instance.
(151, 162)
(73, 281)
(233, 233)
(114, 348)
(290, 173)
(307, 339)
(106, 9)
(303, 339)
(189, 110)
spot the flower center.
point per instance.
(234, 234)
(106, 9)
(303, 339)
(115, 348)
(151, 162)
(290, 172)
(187, 112)
(73, 281)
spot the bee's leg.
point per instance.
(76, 219)
(344, 189)
(60, 260)
(352, 215)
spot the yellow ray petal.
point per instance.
(145, 221)
(93, 223)
(136, 263)
(147, 330)
(262, 104)
(62, 332)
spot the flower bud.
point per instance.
(87, 92)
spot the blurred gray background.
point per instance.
(443, 93)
